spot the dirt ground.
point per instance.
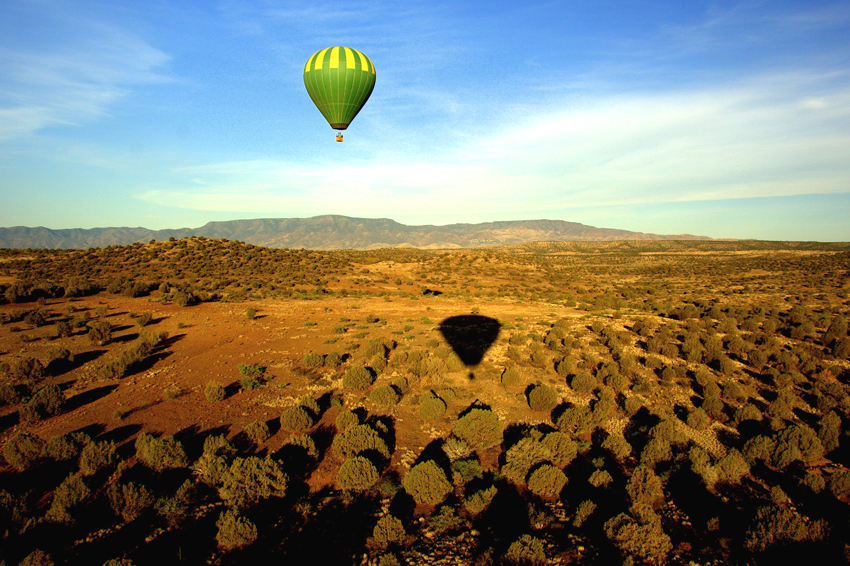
(208, 341)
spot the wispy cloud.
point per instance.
(775, 136)
(85, 69)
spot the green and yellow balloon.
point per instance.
(340, 81)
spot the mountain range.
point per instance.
(331, 232)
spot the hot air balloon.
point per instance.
(340, 81)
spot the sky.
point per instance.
(727, 119)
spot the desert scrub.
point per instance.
(547, 481)
(617, 446)
(542, 399)
(296, 419)
(234, 530)
(96, 456)
(161, 453)
(358, 378)
(313, 360)
(583, 512)
(357, 439)
(251, 370)
(357, 474)
(521, 457)
(129, 500)
(526, 551)
(23, 450)
(511, 377)
(431, 407)
(251, 479)
(698, 419)
(385, 396)
(346, 419)
(258, 432)
(561, 447)
(478, 501)
(66, 446)
(305, 442)
(426, 483)
(47, 402)
(388, 530)
(600, 478)
(69, 496)
(479, 428)
(646, 541)
(214, 392)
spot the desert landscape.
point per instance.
(206, 401)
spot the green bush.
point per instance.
(432, 407)
(176, 509)
(644, 487)
(100, 333)
(575, 420)
(28, 370)
(213, 463)
(129, 500)
(358, 378)
(37, 557)
(583, 382)
(839, 484)
(521, 457)
(357, 439)
(68, 496)
(214, 392)
(542, 399)
(600, 478)
(388, 530)
(161, 453)
(257, 431)
(656, 450)
(732, 467)
(357, 474)
(47, 402)
(617, 445)
(584, 510)
(561, 447)
(304, 441)
(511, 377)
(526, 551)
(426, 483)
(645, 541)
(251, 370)
(479, 428)
(313, 360)
(346, 419)
(385, 396)
(253, 478)
(66, 446)
(96, 456)
(547, 481)
(234, 530)
(23, 450)
(778, 525)
(296, 418)
(698, 419)
(477, 501)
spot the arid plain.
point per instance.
(207, 401)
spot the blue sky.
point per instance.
(724, 119)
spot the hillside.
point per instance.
(332, 232)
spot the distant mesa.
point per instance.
(331, 232)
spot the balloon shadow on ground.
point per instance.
(470, 336)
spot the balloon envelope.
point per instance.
(340, 81)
